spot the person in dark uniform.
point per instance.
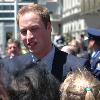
(94, 46)
(35, 32)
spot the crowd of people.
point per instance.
(47, 72)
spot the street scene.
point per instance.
(49, 49)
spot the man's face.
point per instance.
(91, 44)
(35, 36)
(13, 49)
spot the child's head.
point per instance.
(80, 85)
(34, 83)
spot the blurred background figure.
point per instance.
(13, 48)
(73, 47)
(83, 42)
(80, 85)
(59, 41)
(94, 47)
(83, 46)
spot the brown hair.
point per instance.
(35, 8)
(10, 41)
(80, 85)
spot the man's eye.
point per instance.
(23, 32)
(33, 29)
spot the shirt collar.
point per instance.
(34, 59)
(48, 59)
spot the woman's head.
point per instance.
(80, 85)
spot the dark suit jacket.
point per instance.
(71, 62)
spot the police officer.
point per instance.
(94, 46)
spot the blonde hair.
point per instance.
(35, 8)
(80, 85)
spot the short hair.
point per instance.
(10, 41)
(35, 8)
(80, 85)
(34, 83)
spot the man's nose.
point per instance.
(29, 35)
(13, 49)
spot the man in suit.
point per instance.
(35, 32)
(94, 46)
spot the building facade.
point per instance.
(78, 15)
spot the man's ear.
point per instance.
(49, 27)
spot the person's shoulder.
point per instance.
(84, 54)
(16, 63)
(76, 61)
(97, 57)
(98, 54)
(97, 60)
(23, 57)
(20, 58)
(65, 48)
(75, 57)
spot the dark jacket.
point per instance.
(62, 60)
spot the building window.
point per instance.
(4, 15)
(7, 7)
(35, 1)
